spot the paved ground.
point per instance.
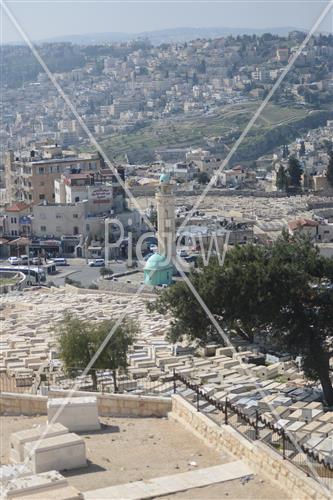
(256, 488)
(79, 270)
(174, 483)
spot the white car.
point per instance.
(14, 261)
(182, 252)
(96, 263)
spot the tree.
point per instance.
(295, 172)
(203, 178)
(302, 149)
(285, 151)
(105, 271)
(281, 178)
(79, 340)
(280, 291)
(329, 173)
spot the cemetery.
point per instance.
(254, 382)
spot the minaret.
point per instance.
(165, 203)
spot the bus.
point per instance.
(34, 275)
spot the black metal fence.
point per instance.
(255, 426)
(125, 383)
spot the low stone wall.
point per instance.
(12, 403)
(261, 458)
(125, 405)
(114, 405)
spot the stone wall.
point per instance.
(12, 403)
(114, 405)
(262, 458)
(125, 405)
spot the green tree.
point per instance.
(285, 151)
(280, 291)
(281, 178)
(79, 340)
(295, 172)
(329, 173)
(203, 178)
(105, 271)
(302, 149)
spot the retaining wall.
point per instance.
(114, 405)
(261, 457)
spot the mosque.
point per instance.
(159, 268)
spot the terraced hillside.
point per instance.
(217, 130)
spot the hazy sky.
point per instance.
(44, 18)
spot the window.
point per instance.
(58, 229)
(75, 216)
(42, 196)
(13, 220)
(75, 230)
(41, 170)
(77, 198)
(58, 216)
(87, 227)
(43, 228)
(14, 232)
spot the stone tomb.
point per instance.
(20, 438)
(50, 485)
(77, 414)
(64, 452)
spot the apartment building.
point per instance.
(17, 220)
(30, 176)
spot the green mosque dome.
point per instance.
(158, 270)
(164, 178)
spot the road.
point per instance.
(78, 270)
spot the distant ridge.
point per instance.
(166, 35)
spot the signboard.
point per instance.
(100, 194)
(25, 220)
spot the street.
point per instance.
(79, 270)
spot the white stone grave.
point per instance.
(77, 414)
(47, 485)
(67, 451)
(20, 438)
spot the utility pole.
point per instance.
(28, 254)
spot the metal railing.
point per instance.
(125, 383)
(255, 426)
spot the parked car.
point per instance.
(96, 263)
(14, 261)
(37, 261)
(182, 252)
(24, 259)
(60, 261)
